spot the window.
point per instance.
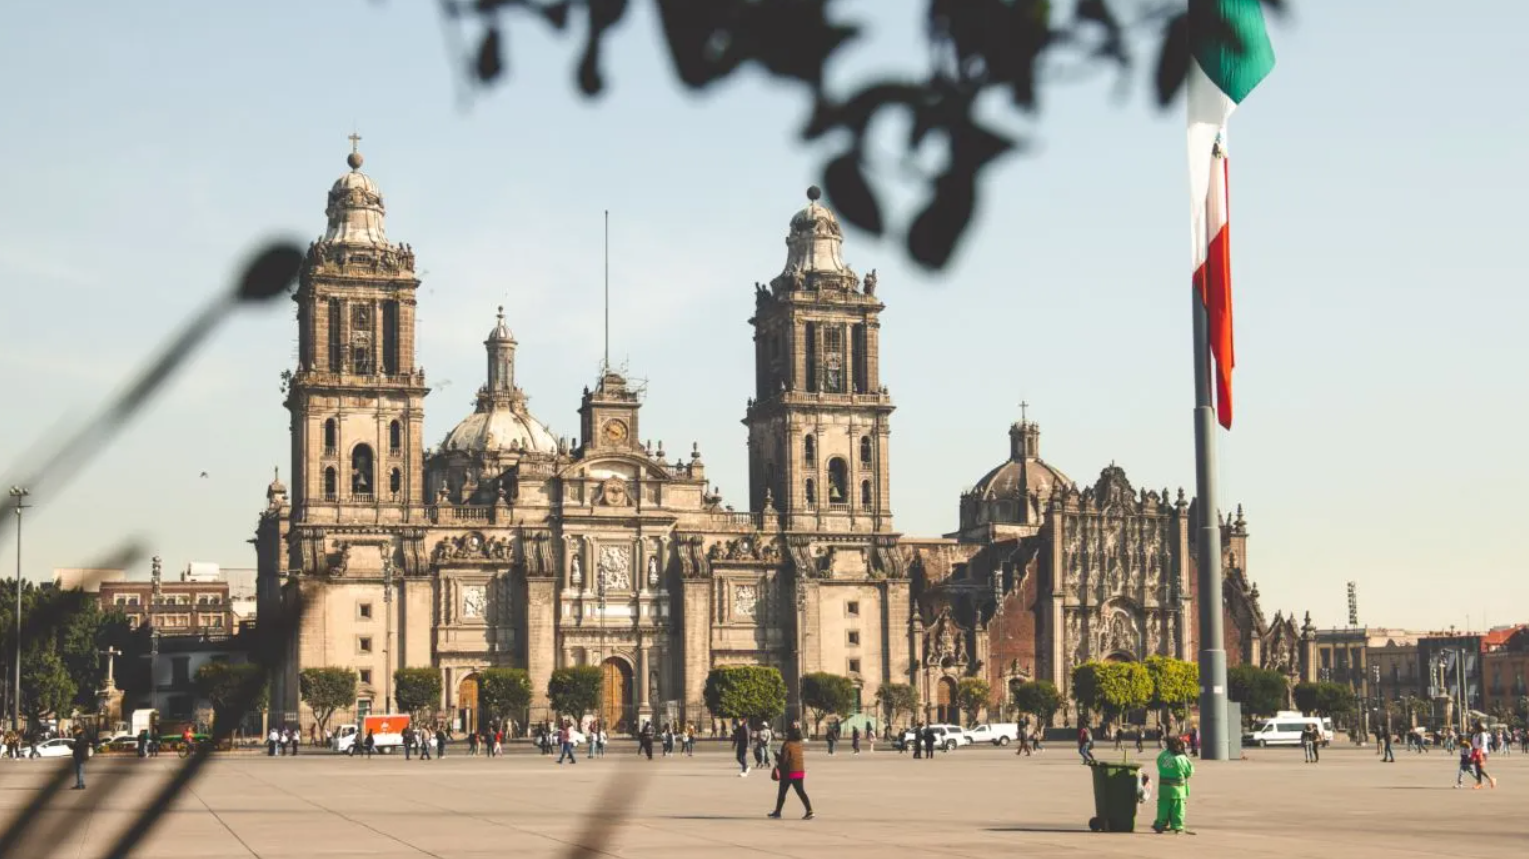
(858, 363)
(336, 350)
(361, 471)
(833, 359)
(395, 437)
(810, 334)
(329, 483)
(364, 611)
(395, 482)
(854, 666)
(812, 492)
(366, 676)
(363, 709)
(211, 621)
(364, 644)
(865, 450)
(180, 670)
(865, 493)
(331, 437)
(810, 449)
(854, 638)
(852, 608)
(390, 338)
(838, 477)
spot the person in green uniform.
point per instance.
(1173, 772)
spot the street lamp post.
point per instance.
(19, 493)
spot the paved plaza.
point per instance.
(976, 802)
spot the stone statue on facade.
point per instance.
(576, 572)
(652, 571)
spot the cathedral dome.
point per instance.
(1015, 492)
(814, 243)
(355, 208)
(499, 429)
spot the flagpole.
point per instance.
(1215, 741)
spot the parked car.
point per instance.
(947, 737)
(1282, 731)
(58, 747)
(997, 733)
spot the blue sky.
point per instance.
(1379, 383)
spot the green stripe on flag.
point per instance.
(1230, 44)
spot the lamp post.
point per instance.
(19, 493)
(387, 635)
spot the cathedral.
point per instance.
(509, 546)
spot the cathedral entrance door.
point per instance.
(467, 703)
(615, 695)
(948, 712)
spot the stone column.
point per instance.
(541, 644)
(644, 706)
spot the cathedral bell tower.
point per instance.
(357, 398)
(819, 422)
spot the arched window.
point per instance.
(865, 493)
(810, 449)
(865, 450)
(838, 479)
(812, 492)
(331, 436)
(361, 470)
(336, 352)
(395, 436)
(395, 482)
(329, 484)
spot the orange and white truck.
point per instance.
(387, 733)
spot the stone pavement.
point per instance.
(975, 802)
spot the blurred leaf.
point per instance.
(932, 237)
(270, 272)
(556, 14)
(851, 194)
(1173, 61)
(490, 66)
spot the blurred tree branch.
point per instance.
(977, 47)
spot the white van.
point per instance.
(1285, 730)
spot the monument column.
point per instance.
(644, 706)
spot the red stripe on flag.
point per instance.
(1213, 283)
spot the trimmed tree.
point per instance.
(326, 690)
(1175, 686)
(1085, 689)
(46, 687)
(504, 693)
(1122, 687)
(574, 691)
(233, 689)
(1039, 697)
(1327, 699)
(894, 699)
(973, 693)
(417, 691)
(1260, 691)
(754, 692)
(824, 693)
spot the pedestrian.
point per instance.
(370, 745)
(271, 739)
(645, 740)
(741, 747)
(1308, 744)
(833, 736)
(1479, 757)
(762, 739)
(854, 739)
(1085, 745)
(1120, 739)
(498, 742)
(791, 769)
(423, 739)
(1139, 731)
(440, 742)
(1467, 764)
(689, 740)
(928, 742)
(668, 740)
(565, 742)
(1174, 770)
(593, 739)
(408, 743)
(1389, 757)
(143, 743)
(603, 739)
(870, 738)
(295, 739)
(81, 752)
(1194, 740)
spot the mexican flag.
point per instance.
(1230, 53)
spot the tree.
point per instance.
(1122, 687)
(753, 692)
(1260, 691)
(326, 690)
(417, 691)
(1334, 699)
(1175, 686)
(973, 693)
(985, 49)
(824, 694)
(1085, 689)
(1039, 697)
(574, 691)
(233, 689)
(46, 687)
(504, 693)
(896, 698)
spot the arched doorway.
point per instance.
(615, 695)
(948, 712)
(467, 703)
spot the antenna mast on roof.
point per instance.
(605, 365)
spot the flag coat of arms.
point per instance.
(1230, 54)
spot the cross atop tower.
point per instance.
(355, 142)
(1023, 412)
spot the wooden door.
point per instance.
(615, 695)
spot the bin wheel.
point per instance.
(1095, 824)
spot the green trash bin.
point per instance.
(1114, 796)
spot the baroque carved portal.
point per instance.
(615, 569)
(745, 598)
(474, 601)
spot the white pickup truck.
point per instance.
(997, 733)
